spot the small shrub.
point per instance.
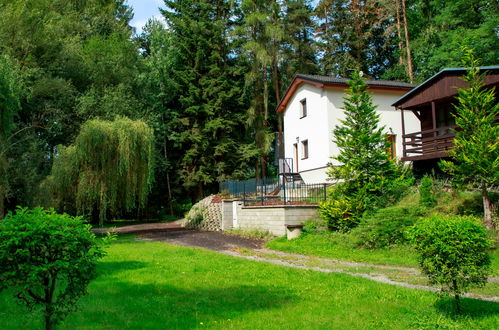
(385, 227)
(339, 214)
(48, 259)
(195, 216)
(313, 226)
(453, 252)
(426, 192)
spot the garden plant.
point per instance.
(48, 260)
(453, 253)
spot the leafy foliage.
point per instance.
(48, 258)
(9, 106)
(453, 252)
(109, 167)
(195, 216)
(426, 192)
(339, 214)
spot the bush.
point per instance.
(313, 226)
(48, 259)
(385, 227)
(453, 252)
(426, 192)
(195, 216)
(339, 214)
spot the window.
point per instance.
(303, 108)
(391, 138)
(304, 149)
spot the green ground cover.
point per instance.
(150, 285)
(338, 245)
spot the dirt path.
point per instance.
(174, 233)
(252, 249)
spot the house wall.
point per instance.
(313, 127)
(325, 110)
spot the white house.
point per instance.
(312, 107)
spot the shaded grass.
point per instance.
(151, 285)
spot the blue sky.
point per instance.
(143, 10)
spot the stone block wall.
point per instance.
(274, 218)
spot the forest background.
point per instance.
(207, 79)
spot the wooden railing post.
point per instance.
(403, 133)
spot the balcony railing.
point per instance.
(432, 143)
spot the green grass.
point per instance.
(150, 285)
(337, 246)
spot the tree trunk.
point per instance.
(200, 190)
(456, 296)
(407, 44)
(2, 203)
(49, 297)
(487, 214)
(170, 203)
(399, 33)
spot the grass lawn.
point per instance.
(336, 246)
(339, 245)
(150, 285)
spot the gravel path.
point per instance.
(231, 245)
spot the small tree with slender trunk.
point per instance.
(475, 154)
(48, 259)
(453, 253)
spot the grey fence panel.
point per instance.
(271, 191)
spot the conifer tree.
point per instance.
(476, 144)
(207, 127)
(363, 163)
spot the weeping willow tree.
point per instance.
(108, 170)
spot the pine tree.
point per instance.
(364, 164)
(300, 48)
(261, 33)
(351, 37)
(476, 144)
(208, 124)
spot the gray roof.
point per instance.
(436, 76)
(343, 81)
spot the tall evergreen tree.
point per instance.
(351, 36)
(363, 163)
(476, 145)
(207, 127)
(299, 46)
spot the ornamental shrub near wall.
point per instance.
(339, 214)
(453, 252)
(386, 227)
(48, 259)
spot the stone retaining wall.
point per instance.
(219, 215)
(274, 218)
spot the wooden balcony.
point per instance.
(428, 144)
